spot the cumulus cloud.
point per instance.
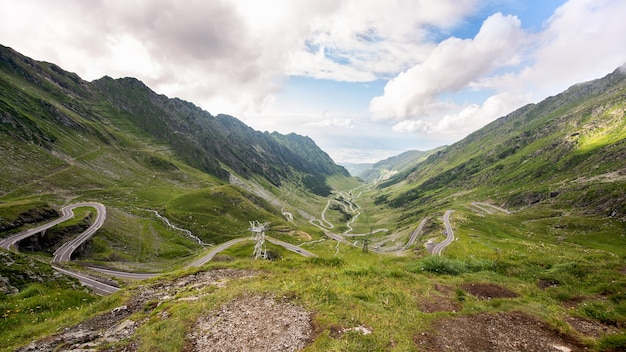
(583, 40)
(453, 65)
(373, 37)
(466, 120)
(227, 54)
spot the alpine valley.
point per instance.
(212, 236)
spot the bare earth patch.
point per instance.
(438, 304)
(253, 323)
(591, 328)
(94, 333)
(488, 291)
(511, 332)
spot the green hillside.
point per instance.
(567, 150)
(63, 140)
(536, 202)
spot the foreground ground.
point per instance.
(535, 281)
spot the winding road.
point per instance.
(67, 213)
(415, 233)
(98, 287)
(64, 253)
(449, 234)
(483, 206)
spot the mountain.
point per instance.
(384, 169)
(350, 271)
(568, 149)
(37, 95)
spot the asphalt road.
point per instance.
(64, 253)
(291, 247)
(223, 246)
(220, 247)
(483, 206)
(415, 233)
(124, 274)
(97, 286)
(67, 213)
(449, 234)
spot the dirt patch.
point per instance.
(253, 323)
(510, 332)
(591, 328)
(439, 301)
(488, 291)
(573, 302)
(438, 304)
(114, 326)
(444, 289)
(544, 284)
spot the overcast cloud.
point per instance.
(421, 85)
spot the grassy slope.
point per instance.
(567, 150)
(581, 257)
(387, 293)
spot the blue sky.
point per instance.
(366, 79)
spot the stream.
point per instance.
(166, 220)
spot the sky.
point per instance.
(365, 79)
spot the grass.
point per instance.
(384, 292)
(380, 292)
(579, 257)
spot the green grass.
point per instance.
(384, 292)
(110, 159)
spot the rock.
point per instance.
(121, 331)
(5, 286)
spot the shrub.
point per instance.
(443, 265)
(613, 343)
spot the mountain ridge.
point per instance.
(215, 144)
(540, 147)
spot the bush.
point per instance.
(330, 262)
(446, 266)
(613, 343)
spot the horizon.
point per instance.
(364, 80)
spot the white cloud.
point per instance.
(453, 65)
(583, 40)
(227, 55)
(374, 37)
(233, 56)
(332, 122)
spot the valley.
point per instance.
(521, 226)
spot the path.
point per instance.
(64, 253)
(449, 234)
(482, 206)
(415, 233)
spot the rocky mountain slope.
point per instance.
(41, 103)
(568, 149)
(384, 169)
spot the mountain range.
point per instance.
(513, 236)
(41, 102)
(568, 150)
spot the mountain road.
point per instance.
(449, 234)
(64, 253)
